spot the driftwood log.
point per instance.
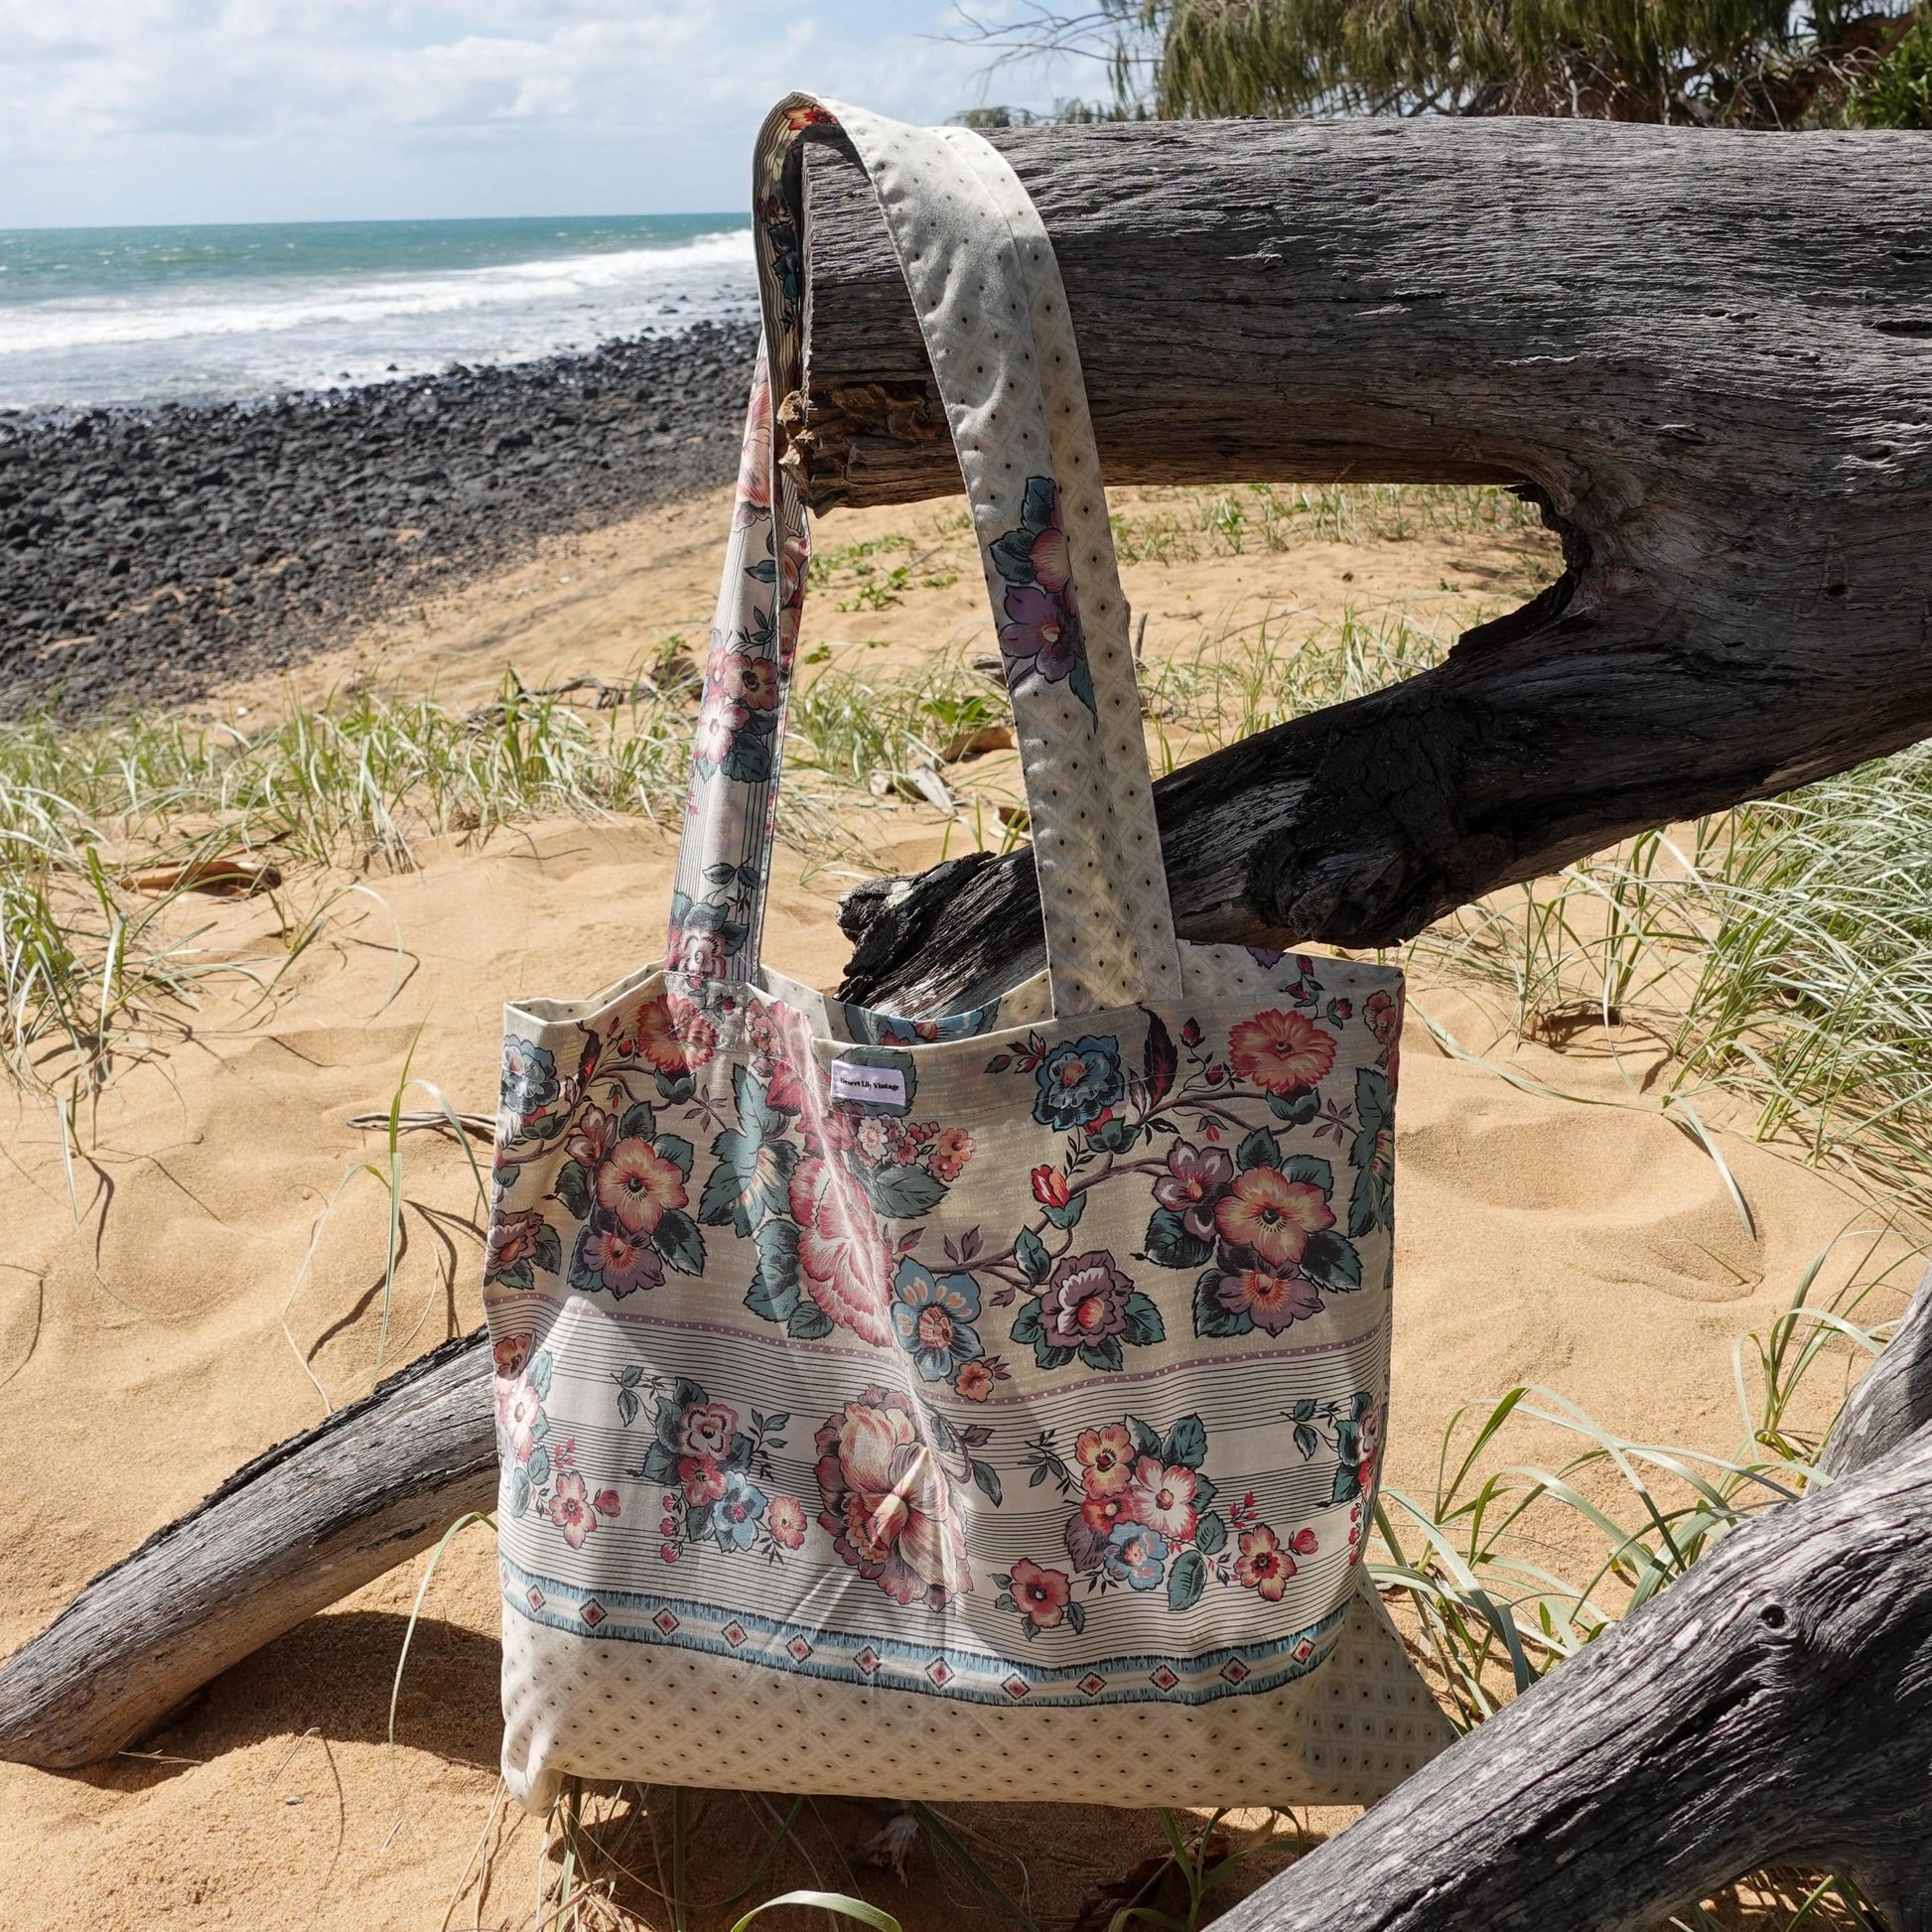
(1774, 1707)
(1708, 355)
(294, 1530)
(1708, 358)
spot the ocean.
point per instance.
(130, 316)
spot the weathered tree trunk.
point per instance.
(1708, 356)
(296, 1530)
(1775, 1705)
(1892, 1400)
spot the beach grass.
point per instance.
(112, 835)
(1779, 955)
(1493, 1619)
(1492, 1613)
(1242, 679)
(1254, 519)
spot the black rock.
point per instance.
(250, 537)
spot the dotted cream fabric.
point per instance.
(660, 1715)
(987, 289)
(980, 1405)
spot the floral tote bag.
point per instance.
(986, 1405)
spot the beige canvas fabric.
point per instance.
(987, 1405)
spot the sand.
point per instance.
(217, 1272)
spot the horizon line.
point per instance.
(370, 222)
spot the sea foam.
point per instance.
(222, 335)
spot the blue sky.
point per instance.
(264, 111)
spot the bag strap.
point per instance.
(987, 289)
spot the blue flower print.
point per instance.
(736, 1517)
(1078, 1081)
(1134, 1555)
(529, 1081)
(933, 1317)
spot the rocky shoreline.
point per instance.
(146, 555)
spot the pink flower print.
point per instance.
(592, 1136)
(1281, 1052)
(737, 678)
(1383, 1011)
(508, 1357)
(1042, 1595)
(974, 1382)
(754, 498)
(719, 723)
(702, 1479)
(887, 1504)
(1263, 1565)
(841, 1252)
(1272, 1215)
(1369, 1430)
(795, 553)
(638, 1184)
(1272, 1302)
(792, 1085)
(951, 1152)
(1053, 562)
(672, 1038)
(1042, 631)
(1106, 1458)
(626, 1262)
(512, 1239)
(1085, 1302)
(1164, 1498)
(696, 952)
(571, 1509)
(1194, 1182)
(525, 1411)
(707, 1428)
(1104, 1512)
(785, 1518)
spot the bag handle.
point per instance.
(987, 289)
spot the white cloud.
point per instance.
(264, 109)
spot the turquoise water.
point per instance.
(93, 316)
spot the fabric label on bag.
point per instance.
(880, 1086)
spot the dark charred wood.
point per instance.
(1707, 354)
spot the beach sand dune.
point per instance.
(215, 1270)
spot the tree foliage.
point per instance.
(1762, 64)
(1898, 90)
